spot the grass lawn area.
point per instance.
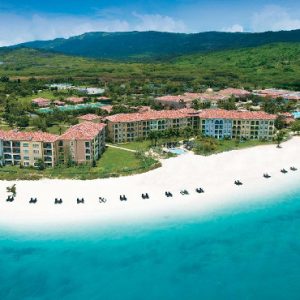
(113, 163)
(208, 146)
(139, 146)
(47, 94)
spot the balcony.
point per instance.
(16, 144)
(48, 152)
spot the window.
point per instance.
(26, 157)
(36, 145)
(36, 151)
(26, 163)
(87, 144)
(25, 145)
(25, 151)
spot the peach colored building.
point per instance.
(27, 148)
(82, 143)
(41, 102)
(131, 126)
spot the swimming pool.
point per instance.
(296, 115)
(73, 107)
(177, 151)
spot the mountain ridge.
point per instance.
(154, 45)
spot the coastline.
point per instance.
(215, 174)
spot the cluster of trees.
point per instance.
(169, 133)
(274, 106)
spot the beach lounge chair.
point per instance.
(10, 199)
(123, 198)
(293, 169)
(266, 175)
(80, 201)
(283, 171)
(33, 200)
(58, 201)
(184, 192)
(237, 182)
(102, 200)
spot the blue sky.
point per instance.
(47, 19)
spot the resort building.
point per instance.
(132, 126)
(276, 93)
(82, 143)
(209, 97)
(75, 100)
(219, 123)
(28, 148)
(41, 102)
(236, 93)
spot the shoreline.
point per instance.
(215, 174)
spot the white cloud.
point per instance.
(15, 29)
(234, 28)
(159, 23)
(274, 18)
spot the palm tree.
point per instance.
(153, 136)
(279, 138)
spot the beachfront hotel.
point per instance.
(27, 148)
(81, 143)
(132, 126)
(217, 123)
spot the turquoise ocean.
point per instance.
(251, 251)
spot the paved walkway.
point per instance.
(117, 147)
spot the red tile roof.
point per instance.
(83, 131)
(41, 102)
(58, 102)
(234, 92)
(89, 117)
(170, 98)
(75, 99)
(103, 98)
(37, 136)
(152, 115)
(233, 114)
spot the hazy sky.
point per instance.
(25, 20)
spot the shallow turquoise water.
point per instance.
(248, 252)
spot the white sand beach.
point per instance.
(215, 174)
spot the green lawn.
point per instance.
(113, 163)
(139, 146)
(47, 94)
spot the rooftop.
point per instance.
(152, 115)
(75, 99)
(37, 136)
(233, 114)
(89, 117)
(83, 131)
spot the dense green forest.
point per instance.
(153, 45)
(274, 65)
